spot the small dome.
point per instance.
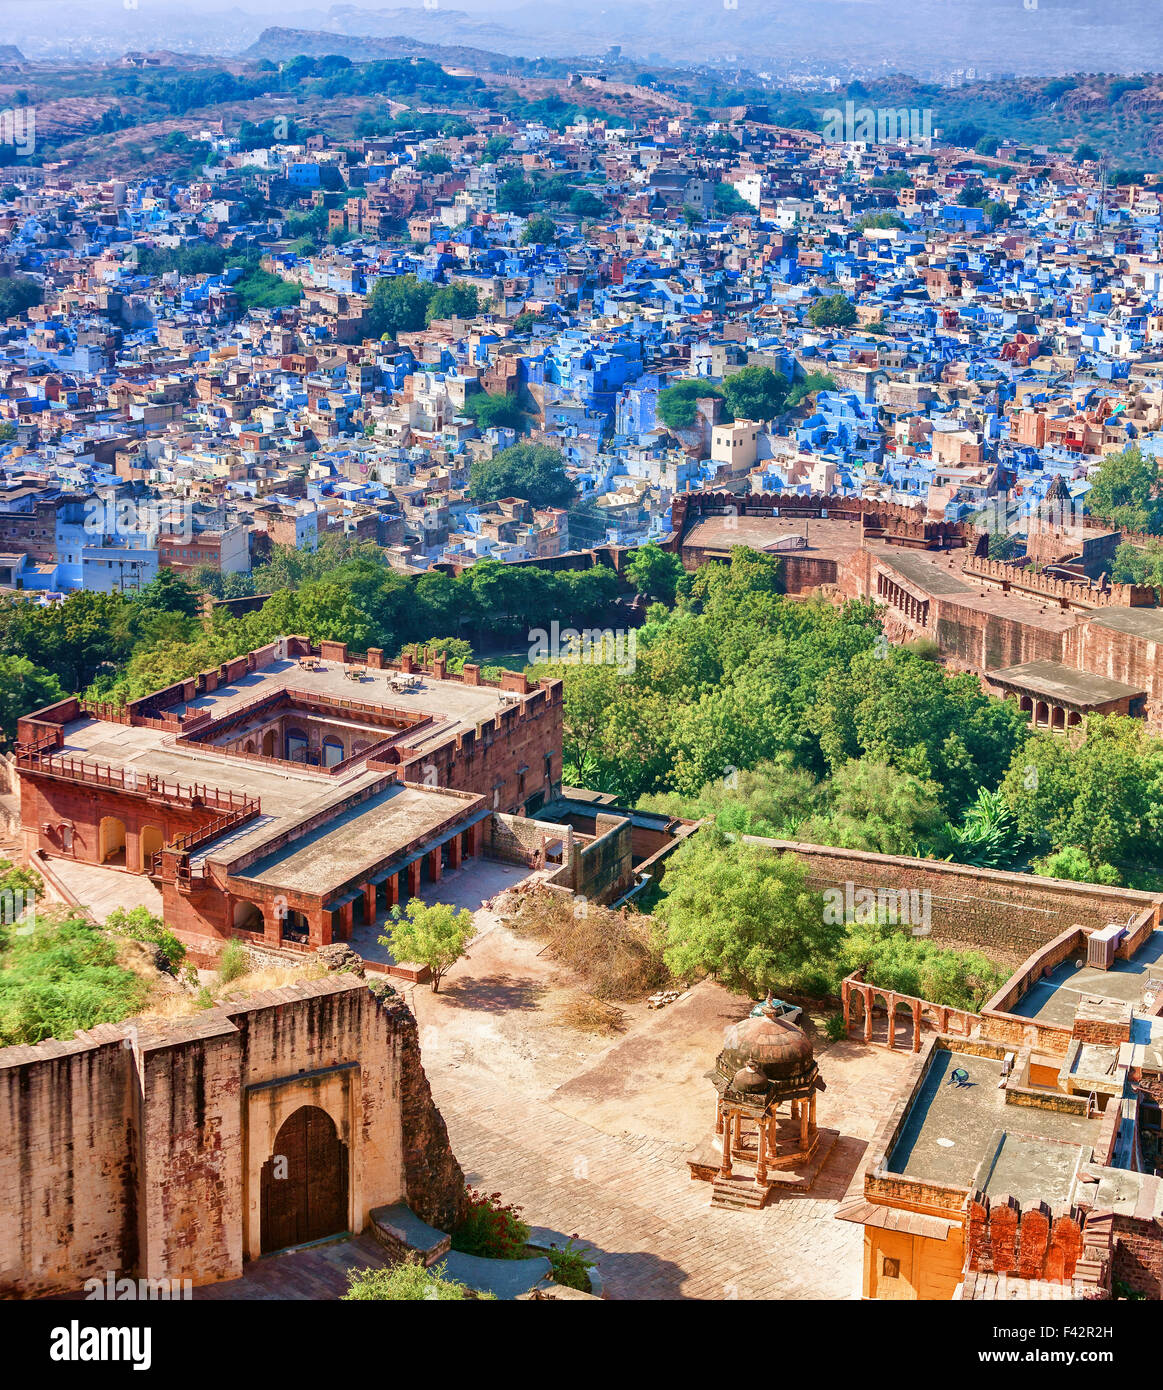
(749, 1078)
(779, 1050)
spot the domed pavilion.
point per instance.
(766, 1079)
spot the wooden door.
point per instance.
(304, 1182)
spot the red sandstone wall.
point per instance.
(135, 1160)
(67, 1166)
(1007, 915)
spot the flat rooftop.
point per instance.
(967, 1136)
(291, 795)
(356, 840)
(1058, 682)
(833, 538)
(1055, 998)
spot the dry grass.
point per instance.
(181, 1003)
(586, 1014)
(616, 954)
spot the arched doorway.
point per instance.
(296, 750)
(268, 744)
(111, 840)
(332, 751)
(151, 840)
(248, 916)
(304, 1182)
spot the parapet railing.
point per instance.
(36, 758)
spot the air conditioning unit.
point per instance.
(1102, 945)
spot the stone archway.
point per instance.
(150, 840)
(268, 744)
(304, 1183)
(248, 916)
(111, 840)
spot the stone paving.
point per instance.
(601, 1151)
(633, 1200)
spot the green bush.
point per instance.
(835, 1027)
(408, 1282)
(60, 976)
(571, 1266)
(233, 963)
(143, 925)
(491, 1228)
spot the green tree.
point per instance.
(730, 203)
(1124, 491)
(24, 688)
(868, 805)
(755, 393)
(17, 294)
(677, 404)
(435, 935)
(832, 311)
(741, 913)
(494, 411)
(457, 300)
(655, 572)
(535, 472)
(399, 304)
(539, 230)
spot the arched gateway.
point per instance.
(304, 1182)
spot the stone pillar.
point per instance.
(891, 1002)
(812, 1111)
(718, 1116)
(772, 1132)
(272, 924)
(917, 1026)
(867, 1015)
(435, 864)
(847, 1007)
(414, 877)
(725, 1166)
(475, 835)
(761, 1155)
(803, 1125)
(392, 890)
(454, 848)
(369, 903)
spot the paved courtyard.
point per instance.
(589, 1135)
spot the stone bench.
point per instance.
(401, 1232)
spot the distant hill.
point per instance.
(10, 54)
(279, 45)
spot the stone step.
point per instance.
(739, 1193)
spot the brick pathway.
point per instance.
(634, 1201)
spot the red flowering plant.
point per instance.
(491, 1227)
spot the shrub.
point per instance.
(61, 976)
(571, 1266)
(491, 1228)
(835, 1027)
(407, 1282)
(233, 963)
(143, 925)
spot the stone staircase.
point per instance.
(737, 1193)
